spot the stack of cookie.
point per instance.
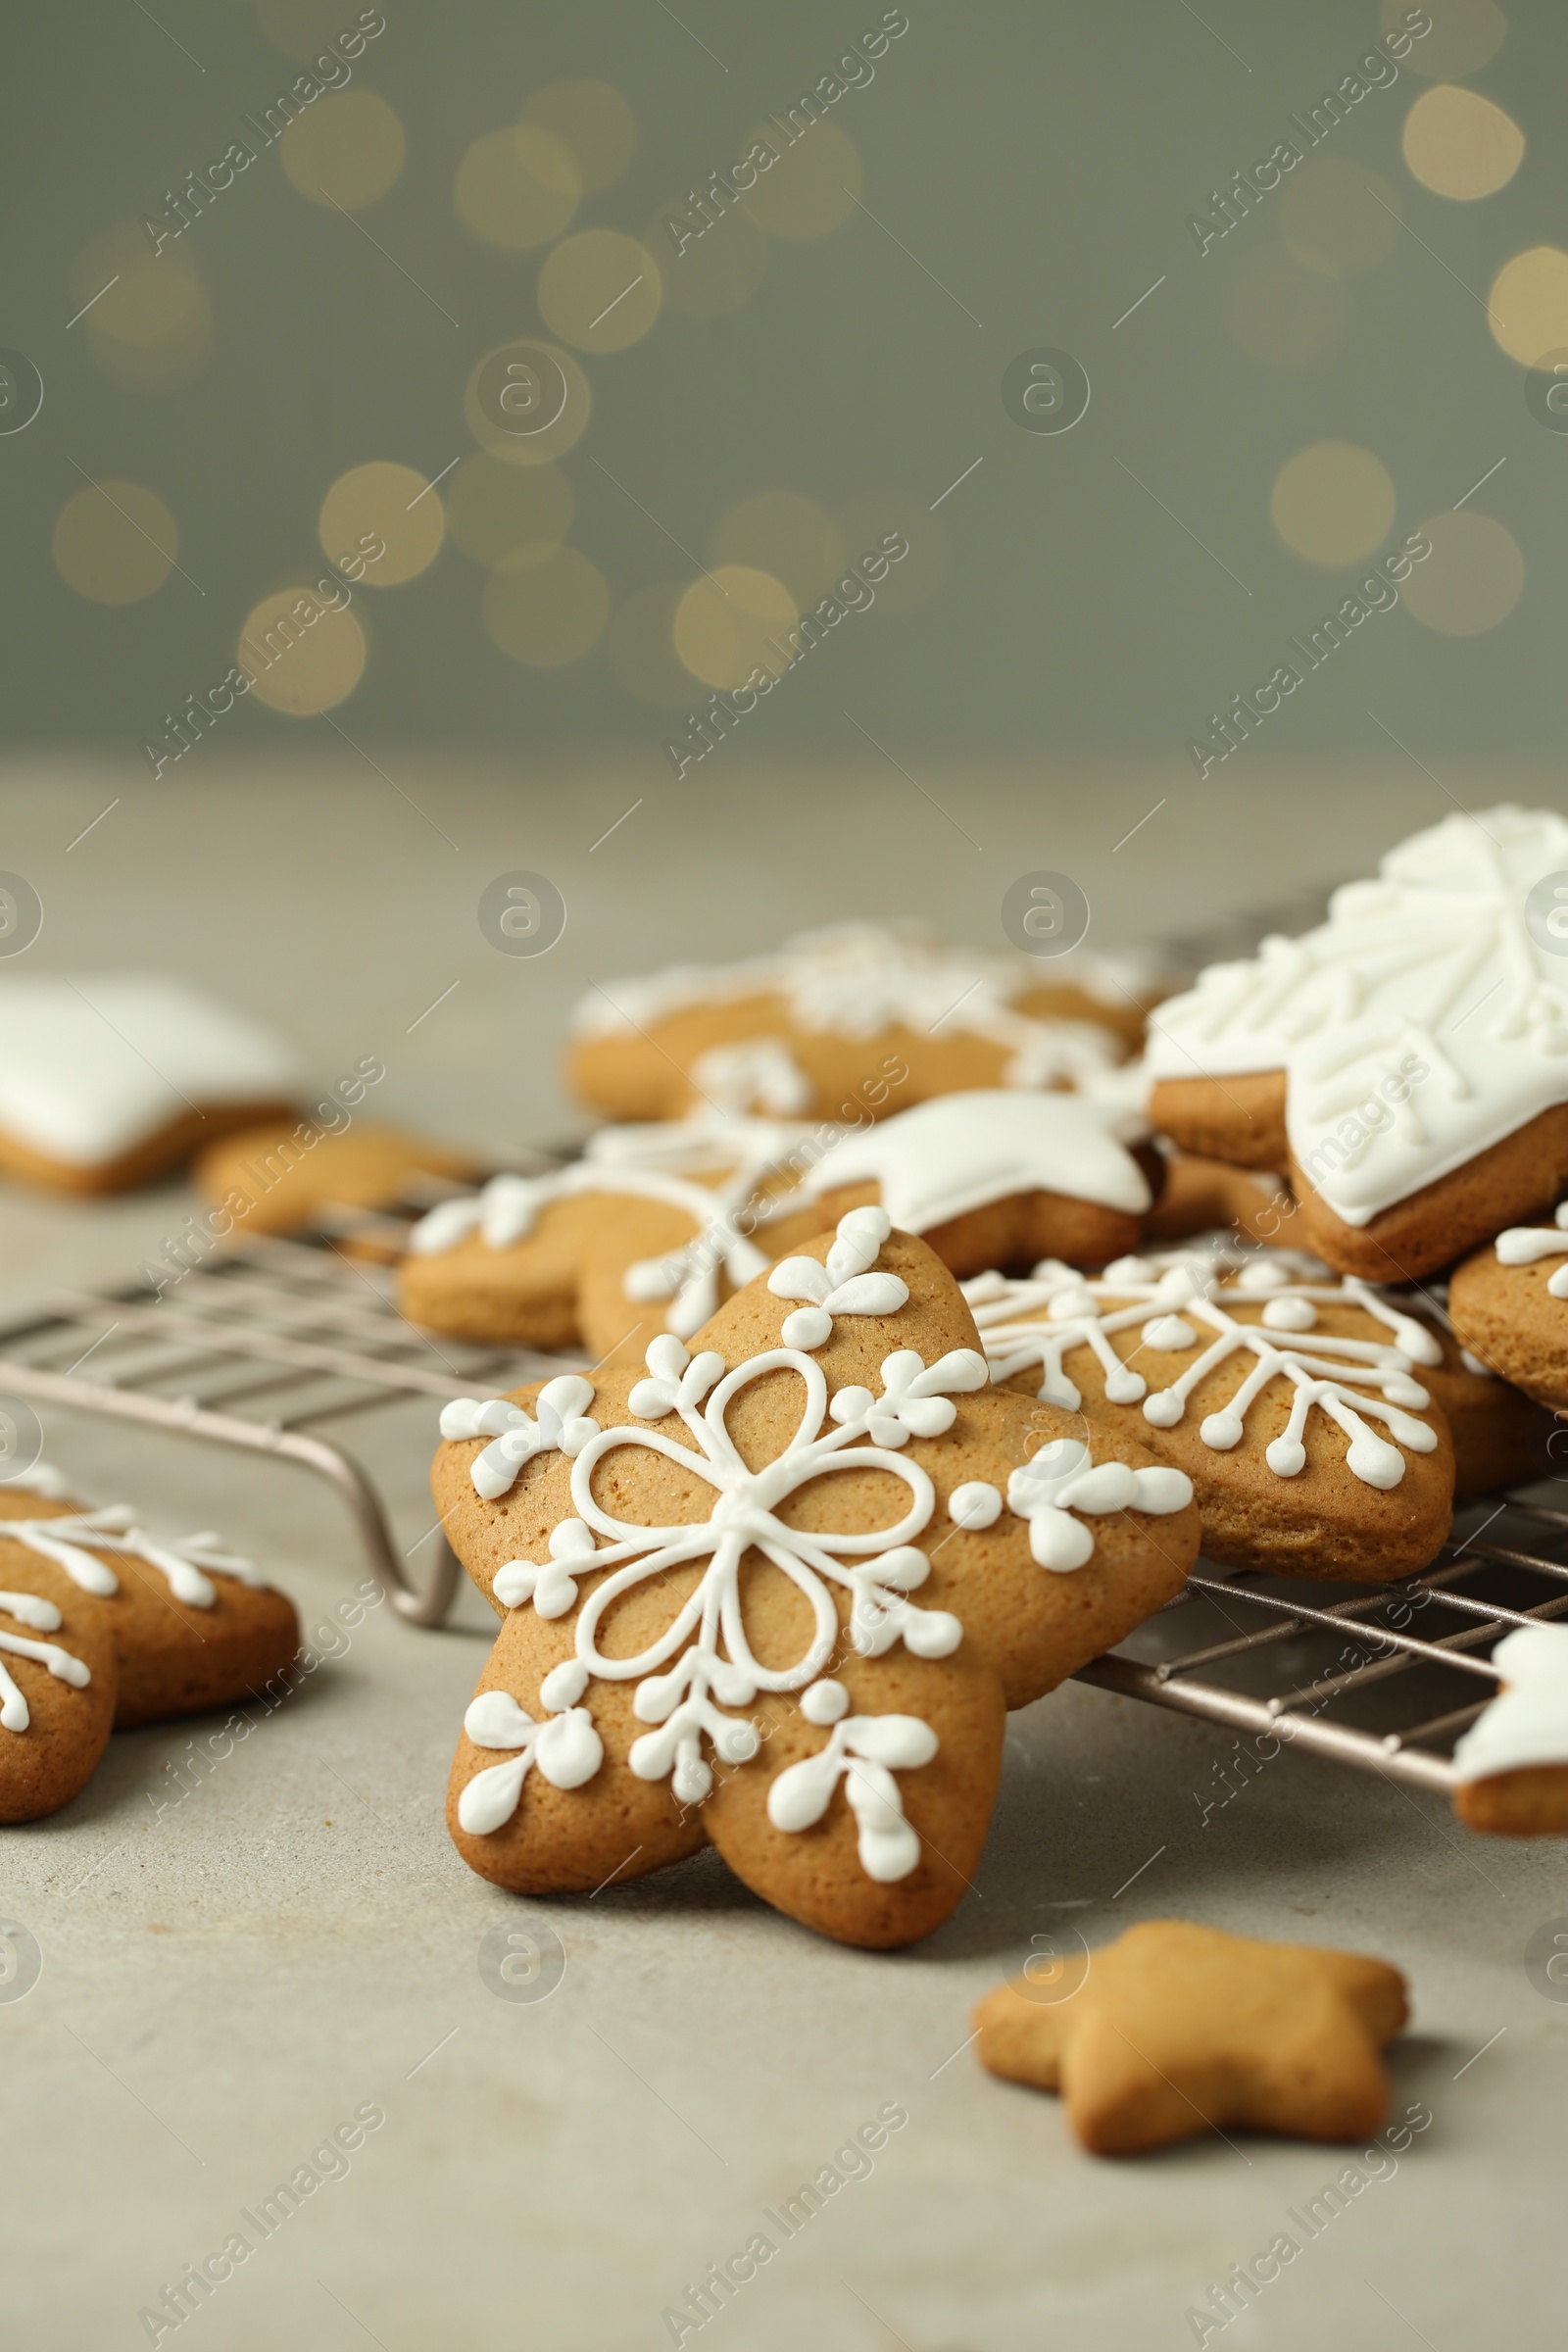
(893, 1212)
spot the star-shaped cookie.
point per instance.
(1405, 1062)
(1177, 2029)
(827, 1020)
(779, 1591)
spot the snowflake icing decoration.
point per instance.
(181, 1559)
(1177, 1298)
(1527, 1245)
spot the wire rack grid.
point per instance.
(283, 1341)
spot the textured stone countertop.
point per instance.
(229, 1977)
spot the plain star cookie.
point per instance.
(802, 1031)
(280, 1179)
(112, 1082)
(777, 1593)
(1178, 2029)
(191, 1625)
(1406, 1062)
(1302, 1405)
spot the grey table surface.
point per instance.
(231, 1975)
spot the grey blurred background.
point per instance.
(1024, 175)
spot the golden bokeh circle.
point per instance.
(1282, 312)
(546, 606)
(518, 188)
(1528, 305)
(115, 542)
(875, 524)
(732, 621)
(1340, 218)
(1473, 577)
(789, 535)
(492, 508)
(708, 271)
(594, 121)
(144, 308)
(600, 290)
(387, 503)
(1462, 36)
(302, 655)
(1459, 144)
(347, 149)
(810, 189)
(567, 423)
(1332, 503)
(641, 647)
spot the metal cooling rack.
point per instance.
(265, 1349)
(281, 1340)
(1383, 1678)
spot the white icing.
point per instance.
(656, 1160)
(181, 1559)
(761, 1073)
(89, 1073)
(974, 1505)
(1528, 1722)
(961, 1151)
(1349, 1381)
(1526, 1245)
(1432, 964)
(40, 1478)
(864, 1751)
(567, 1750)
(44, 1618)
(1062, 1479)
(841, 1287)
(562, 1426)
(859, 979)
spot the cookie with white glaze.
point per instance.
(858, 1019)
(1406, 1062)
(778, 1593)
(112, 1082)
(646, 1233)
(1298, 1405)
(57, 1685)
(192, 1625)
(1512, 1763)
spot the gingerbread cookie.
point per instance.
(712, 1566)
(57, 1684)
(1512, 1764)
(1407, 1061)
(646, 1233)
(619, 1245)
(1299, 1406)
(192, 1626)
(1177, 2029)
(1509, 1305)
(857, 1017)
(988, 1179)
(109, 1083)
(280, 1179)
(1204, 1195)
